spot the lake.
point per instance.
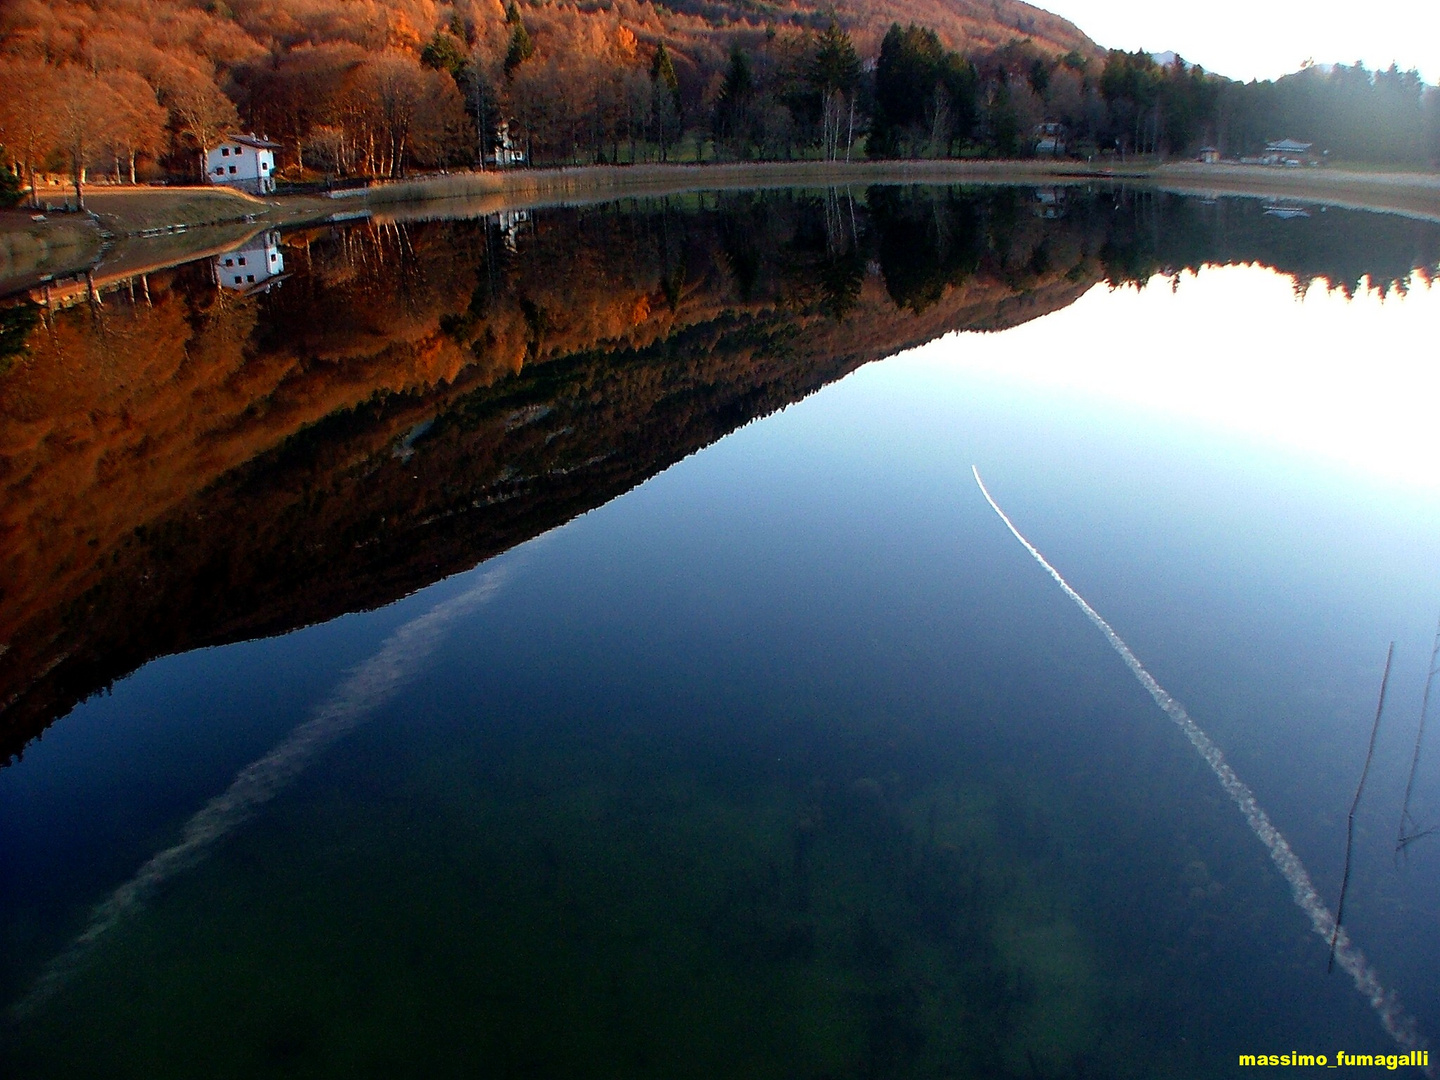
(573, 642)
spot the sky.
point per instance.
(1264, 39)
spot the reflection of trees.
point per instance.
(1148, 233)
(416, 398)
(926, 243)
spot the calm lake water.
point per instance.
(572, 642)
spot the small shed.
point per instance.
(243, 161)
(1210, 155)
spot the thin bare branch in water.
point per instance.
(1354, 805)
(1402, 839)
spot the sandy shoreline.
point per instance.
(148, 228)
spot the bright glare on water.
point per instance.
(1343, 381)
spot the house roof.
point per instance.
(251, 140)
(1289, 144)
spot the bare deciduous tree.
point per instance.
(199, 111)
(27, 128)
(85, 109)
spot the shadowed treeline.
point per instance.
(193, 466)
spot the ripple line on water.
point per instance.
(357, 696)
(1398, 1024)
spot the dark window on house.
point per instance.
(224, 151)
(232, 168)
(249, 277)
(237, 279)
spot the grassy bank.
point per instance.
(593, 179)
(130, 211)
(29, 249)
(1406, 192)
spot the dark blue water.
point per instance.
(791, 761)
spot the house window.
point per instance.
(232, 168)
(219, 170)
(224, 151)
(272, 258)
(237, 279)
(242, 260)
(249, 277)
(264, 165)
(229, 262)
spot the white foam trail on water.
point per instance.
(359, 694)
(1397, 1023)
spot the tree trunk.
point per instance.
(132, 167)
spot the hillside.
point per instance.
(146, 34)
(143, 88)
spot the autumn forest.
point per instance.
(139, 90)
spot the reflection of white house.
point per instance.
(1049, 203)
(507, 151)
(243, 161)
(254, 268)
(509, 222)
(1050, 138)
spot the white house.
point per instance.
(243, 161)
(252, 268)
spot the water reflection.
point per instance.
(780, 765)
(218, 463)
(255, 266)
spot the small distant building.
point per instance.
(1050, 139)
(1210, 155)
(1287, 152)
(254, 268)
(243, 161)
(507, 152)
